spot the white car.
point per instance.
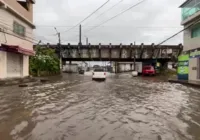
(99, 73)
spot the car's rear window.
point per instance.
(147, 68)
(98, 70)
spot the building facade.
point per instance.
(191, 23)
(16, 33)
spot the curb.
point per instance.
(187, 83)
(18, 81)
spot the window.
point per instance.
(18, 29)
(195, 32)
(99, 70)
(190, 8)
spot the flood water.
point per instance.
(121, 108)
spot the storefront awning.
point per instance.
(16, 49)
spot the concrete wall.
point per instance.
(190, 43)
(70, 68)
(193, 69)
(10, 11)
(84, 53)
(115, 53)
(15, 6)
(105, 53)
(125, 67)
(3, 65)
(7, 26)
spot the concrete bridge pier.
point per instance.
(164, 65)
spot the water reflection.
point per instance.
(121, 108)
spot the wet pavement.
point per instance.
(121, 108)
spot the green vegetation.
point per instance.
(44, 63)
(168, 72)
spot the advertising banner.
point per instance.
(183, 67)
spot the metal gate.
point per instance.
(14, 65)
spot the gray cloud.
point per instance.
(151, 22)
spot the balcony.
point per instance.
(189, 9)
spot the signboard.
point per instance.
(183, 66)
(195, 53)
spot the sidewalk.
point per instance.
(18, 81)
(185, 82)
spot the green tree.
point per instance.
(44, 61)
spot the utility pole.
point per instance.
(86, 40)
(134, 59)
(80, 34)
(59, 46)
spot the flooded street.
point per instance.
(121, 108)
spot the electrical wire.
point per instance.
(24, 35)
(117, 15)
(27, 38)
(108, 9)
(87, 16)
(191, 25)
(18, 37)
(49, 26)
(7, 25)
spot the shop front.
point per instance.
(189, 65)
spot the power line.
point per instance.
(88, 16)
(194, 23)
(29, 39)
(7, 25)
(115, 16)
(109, 9)
(118, 14)
(112, 26)
(18, 36)
(167, 28)
(10, 28)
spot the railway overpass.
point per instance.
(118, 53)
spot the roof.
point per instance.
(184, 3)
(33, 1)
(16, 49)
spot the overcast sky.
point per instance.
(150, 22)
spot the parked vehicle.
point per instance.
(81, 71)
(139, 67)
(148, 70)
(134, 73)
(99, 73)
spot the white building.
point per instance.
(190, 16)
(16, 33)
